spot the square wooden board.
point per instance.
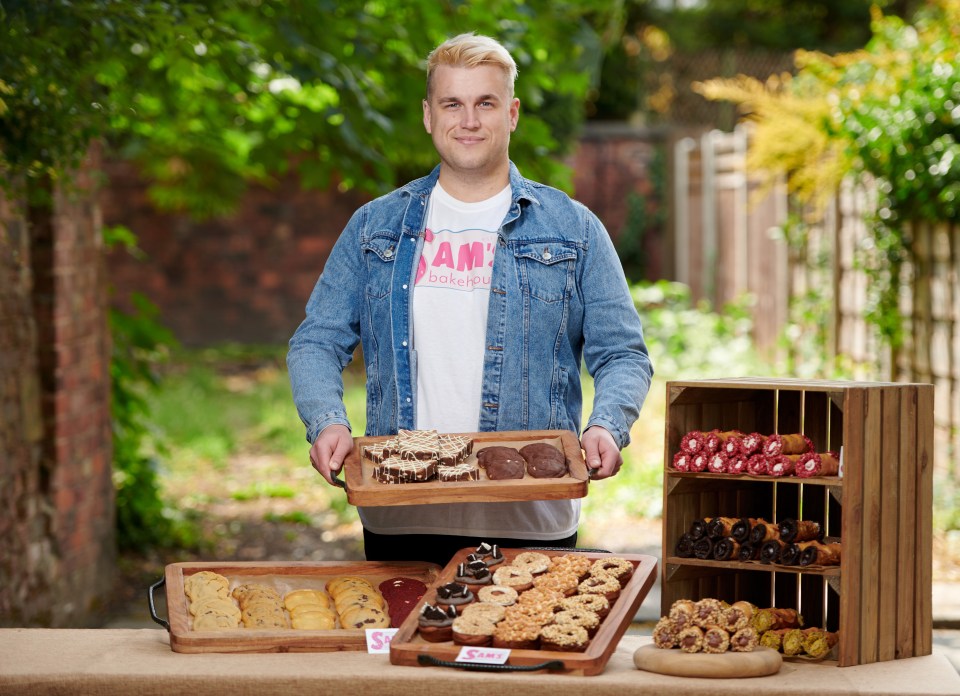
(407, 646)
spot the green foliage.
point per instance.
(693, 341)
(208, 96)
(897, 112)
(139, 343)
(889, 113)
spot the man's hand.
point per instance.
(601, 452)
(331, 447)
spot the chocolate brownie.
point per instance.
(396, 470)
(543, 460)
(464, 471)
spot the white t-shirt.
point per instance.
(450, 300)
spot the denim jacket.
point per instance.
(558, 297)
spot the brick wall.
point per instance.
(57, 538)
(246, 278)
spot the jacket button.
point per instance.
(388, 253)
(547, 256)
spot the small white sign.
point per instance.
(840, 464)
(488, 656)
(378, 639)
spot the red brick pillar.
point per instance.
(61, 565)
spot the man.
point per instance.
(475, 293)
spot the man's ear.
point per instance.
(426, 116)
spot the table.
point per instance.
(123, 661)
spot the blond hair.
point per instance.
(469, 51)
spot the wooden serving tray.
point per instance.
(407, 646)
(284, 577)
(363, 489)
(729, 665)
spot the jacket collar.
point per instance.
(521, 188)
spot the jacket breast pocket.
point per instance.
(546, 269)
(379, 255)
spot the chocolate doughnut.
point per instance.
(544, 461)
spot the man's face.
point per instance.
(470, 115)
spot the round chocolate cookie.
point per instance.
(502, 462)
(544, 461)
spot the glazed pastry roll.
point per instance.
(720, 527)
(770, 551)
(790, 554)
(717, 463)
(793, 443)
(690, 639)
(783, 464)
(748, 552)
(715, 640)
(665, 633)
(817, 553)
(737, 464)
(774, 618)
(793, 530)
(818, 464)
(744, 640)
(817, 642)
(758, 464)
(692, 443)
(698, 528)
(751, 443)
(703, 549)
(740, 530)
(734, 617)
(698, 462)
(763, 531)
(792, 642)
(707, 612)
(726, 549)
(732, 445)
(681, 612)
(681, 461)
(773, 639)
(684, 547)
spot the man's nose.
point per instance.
(469, 117)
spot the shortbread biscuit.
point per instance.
(313, 621)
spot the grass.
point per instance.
(217, 405)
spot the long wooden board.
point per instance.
(284, 577)
(363, 489)
(407, 646)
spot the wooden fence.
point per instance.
(732, 235)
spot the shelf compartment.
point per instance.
(881, 596)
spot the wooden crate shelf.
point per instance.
(880, 597)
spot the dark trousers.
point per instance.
(440, 548)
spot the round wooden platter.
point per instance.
(729, 665)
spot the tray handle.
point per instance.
(430, 660)
(153, 608)
(339, 482)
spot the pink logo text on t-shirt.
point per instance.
(456, 260)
